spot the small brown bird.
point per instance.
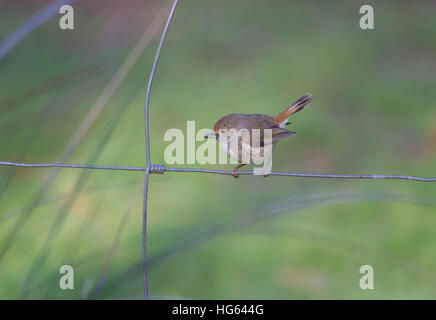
(249, 122)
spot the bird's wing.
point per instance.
(280, 133)
(277, 132)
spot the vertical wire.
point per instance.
(147, 148)
(144, 235)
(150, 80)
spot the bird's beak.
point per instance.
(210, 135)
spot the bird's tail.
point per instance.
(298, 105)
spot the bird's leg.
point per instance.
(235, 171)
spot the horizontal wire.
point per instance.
(310, 175)
(67, 165)
(158, 168)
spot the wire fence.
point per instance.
(161, 169)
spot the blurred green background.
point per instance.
(213, 236)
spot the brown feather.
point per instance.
(293, 108)
(240, 121)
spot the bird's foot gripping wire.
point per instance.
(235, 173)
